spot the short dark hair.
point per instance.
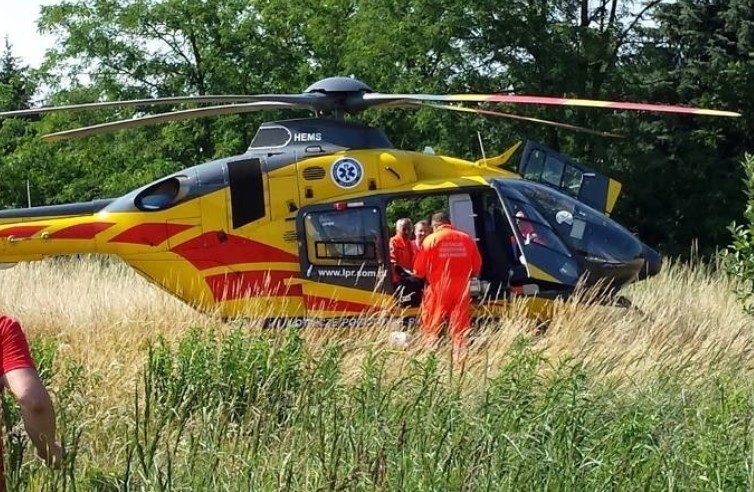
(441, 218)
(423, 222)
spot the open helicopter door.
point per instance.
(462, 214)
(344, 261)
(538, 248)
(544, 165)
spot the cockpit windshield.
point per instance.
(588, 232)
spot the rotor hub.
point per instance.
(338, 85)
(335, 96)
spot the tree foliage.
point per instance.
(684, 173)
(738, 258)
(16, 92)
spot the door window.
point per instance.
(348, 237)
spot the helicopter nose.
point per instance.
(652, 263)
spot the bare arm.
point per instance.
(36, 411)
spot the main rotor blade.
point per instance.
(521, 118)
(303, 99)
(163, 118)
(554, 101)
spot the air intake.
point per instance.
(314, 173)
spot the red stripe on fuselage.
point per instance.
(152, 234)
(82, 231)
(21, 231)
(214, 249)
(262, 283)
(328, 304)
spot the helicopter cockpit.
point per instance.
(561, 229)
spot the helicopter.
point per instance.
(295, 230)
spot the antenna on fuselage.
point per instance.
(481, 146)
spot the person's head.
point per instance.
(403, 227)
(421, 229)
(440, 218)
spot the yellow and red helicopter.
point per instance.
(295, 230)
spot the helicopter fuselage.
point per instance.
(297, 227)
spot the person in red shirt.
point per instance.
(19, 374)
(527, 229)
(449, 258)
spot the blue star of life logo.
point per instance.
(347, 172)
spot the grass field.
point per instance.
(154, 396)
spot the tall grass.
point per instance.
(153, 396)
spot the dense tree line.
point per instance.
(682, 174)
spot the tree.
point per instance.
(16, 86)
(122, 49)
(685, 170)
(16, 92)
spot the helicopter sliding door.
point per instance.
(461, 210)
(543, 165)
(343, 259)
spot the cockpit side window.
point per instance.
(534, 165)
(553, 171)
(572, 179)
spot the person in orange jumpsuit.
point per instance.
(449, 258)
(407, 288)
(401, 251)
(421, 229)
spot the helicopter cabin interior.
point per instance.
(347, 243)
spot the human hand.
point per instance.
(53, 457)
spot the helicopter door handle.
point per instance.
(393, 172)
(15, 239)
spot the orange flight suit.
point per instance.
(415, 247)
(447, 260)
(401, 254)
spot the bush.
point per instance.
(738, 258)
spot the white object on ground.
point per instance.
(399, 338)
